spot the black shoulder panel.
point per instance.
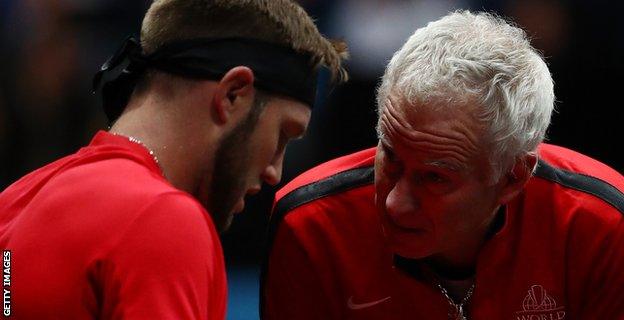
(337, 183)
(340, 182)
(583, 183)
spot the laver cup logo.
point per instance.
(538, 305)
(6, 282)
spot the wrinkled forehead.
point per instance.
(430, 114)
(431, 128)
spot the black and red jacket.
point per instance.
(558, 255)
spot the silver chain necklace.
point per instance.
(139, 142)
(456, 311)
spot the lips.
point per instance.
(412, 241)
(401, 228)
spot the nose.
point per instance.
(400, 201)
(272, 174)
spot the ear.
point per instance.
(515, 180)
(233, 94)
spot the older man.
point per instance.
(461, 212)
(202, 109)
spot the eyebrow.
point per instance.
(445, 165)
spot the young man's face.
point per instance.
(253, 153)
(431, 180)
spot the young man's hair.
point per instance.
(276, 21)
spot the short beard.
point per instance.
(231, 168)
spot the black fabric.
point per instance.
(277, 69)
(340, 182)
(583, 183)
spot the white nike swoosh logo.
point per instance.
(357, 306)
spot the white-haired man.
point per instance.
(461, 212)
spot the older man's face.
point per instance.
(431, 180)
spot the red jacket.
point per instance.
(100, 234)
(558, 255)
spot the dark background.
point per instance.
(49, 50)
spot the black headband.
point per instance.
(277, 69)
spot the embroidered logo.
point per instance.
(539, 305)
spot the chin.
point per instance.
(224, 223)
(222, 210)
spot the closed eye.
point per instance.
(435, 177)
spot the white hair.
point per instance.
(478, 60)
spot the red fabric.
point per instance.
(100, 234)
(559, 255)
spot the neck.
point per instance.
(457, 290)
(452, 270)
(181, 155)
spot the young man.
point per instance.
(461, 212)
(126, 228)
